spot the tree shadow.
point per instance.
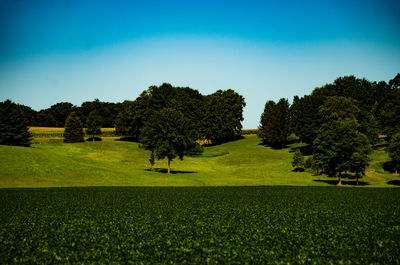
(273, 146)
(94, 139)
(128, 139)
(344, 182)
(165, 171)
(378, 146)
(388, 166)
(299, 169)
(394, 182)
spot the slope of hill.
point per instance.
(120, 163)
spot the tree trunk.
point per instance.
(93, 138)
(152, 167)
(357, 178)
(340, 180)
(169, 165)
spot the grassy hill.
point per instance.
(120, 163)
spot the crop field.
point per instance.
(42, 135)
(262, 225)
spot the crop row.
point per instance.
(277, 225)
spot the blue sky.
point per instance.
(75, 51)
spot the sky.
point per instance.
(76, 51)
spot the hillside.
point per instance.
(119, 163)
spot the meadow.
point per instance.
(208, 225)
(122, 163)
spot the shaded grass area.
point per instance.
(123, 163)
(258, 225)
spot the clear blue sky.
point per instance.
(75, 51)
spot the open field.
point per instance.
(121, 163)
(259, 225)
(56, 134)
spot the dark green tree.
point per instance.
(93, 124)
(13, 125)
(169, 134)
(222, 116)
(60, 112)
(394, 152)
(121, 128)
(298, 160)
(274, 125)
(73, 132)
(359, 160)
(339, 146)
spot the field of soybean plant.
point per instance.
(237, 225)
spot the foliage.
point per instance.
(308, 163)
(93, 124)
(73, 132)
(298, 160)
(390, 109)
(274, 125)
(394, 151)
(223, 116)
(13, 125)
(169, 134)
(120, 124)
(339, 146)
(235, 225)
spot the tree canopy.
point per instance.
(73, 132)
(275, 124)
(169, 134)
(339, 146)
(394, 152)
(13, 125)
(93, 124)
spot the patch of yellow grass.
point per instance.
(44, 130)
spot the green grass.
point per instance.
(228, 225)
(119, 163)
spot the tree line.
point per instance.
(339, 121)
(166, 120)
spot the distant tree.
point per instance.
(222, 116)
(390, 111)
(73, 129)
(339, 146)
(121, 128)
(394, 152)
(298, 160)
(60, 112)
(169, 134)
(274, 125)
(13, 125)
(93, 124)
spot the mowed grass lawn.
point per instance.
(121, 163)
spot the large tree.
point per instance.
(73, 129)
(274, 125)
(168, 134)
(339, 146)
(93, 124)
(13, 125)
(394, 152)
(223, 114)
